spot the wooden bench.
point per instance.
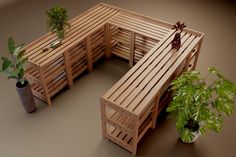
(84, 43)
(131, 106)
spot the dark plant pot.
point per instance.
(26, 96)
(176, 42)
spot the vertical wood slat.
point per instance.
(42, 79)
(68, 69)
(89, 53)
(132, 49)
(135, 138)
(155, 111)
(197, 54)
(108, 40)
(103, 114)
(187, 61)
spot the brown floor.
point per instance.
(71, 127)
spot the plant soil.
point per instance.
(19, 85)
(192, 125)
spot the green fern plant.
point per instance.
(57, 21)
(14, 68)
(198, 105)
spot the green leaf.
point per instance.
(21, 73)
(186, 135)
(11, 45)
(206, 104)
(6, 63)
(215, 71)
(17, 51)
(57, 20)
(21, 63)
(12, 77)
(20, 55)
(202, 131)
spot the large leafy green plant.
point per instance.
(57, 21)
(14, 67)
(200, 103)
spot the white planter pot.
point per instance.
(196, 136)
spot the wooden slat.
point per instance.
(72, 35)
(92, 28)
(40, 40)
(54, 74)
(68, 69)
(52, 37)
(163, 31)
(143, 27)
(80, 55)
(98, 43)
(119, 142)
(155, 88)
(131, 49)
(89, 54)
(151, 70)
(124, 25)
(78, 71)
(99, 55)
(82, 61)
(121, 51)
(61, 85)
(76, 50)
(138, 70)
(44, 86)
(198, 52)
(161, 23)
(170, 36)
(146, 89)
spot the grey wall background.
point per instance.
(71, 127)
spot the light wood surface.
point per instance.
(142, 91)
(131, 106)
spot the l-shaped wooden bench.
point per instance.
(131, 106)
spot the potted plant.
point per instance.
(199, 104)
(176, 42)
(57, 22)
(14, 68)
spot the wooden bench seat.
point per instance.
(139, 91)
(81, 28)
(131, 106)
(83, 45)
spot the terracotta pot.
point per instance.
(26, 96)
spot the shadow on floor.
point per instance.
(181, 149)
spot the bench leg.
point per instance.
(135, 138)
(155, 111)
(103, 120)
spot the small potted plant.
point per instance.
(57, 22)
(199, 104)
(176, 42)
(14, 68)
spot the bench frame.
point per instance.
(105, 30)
